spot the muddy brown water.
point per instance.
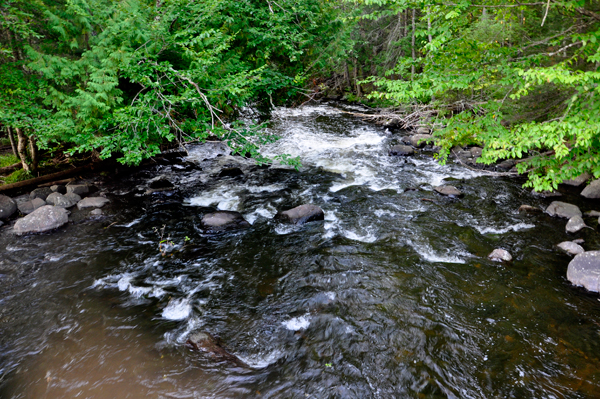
(389, 297)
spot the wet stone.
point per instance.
(420, 140)
(223, 220)
(301, 214)
(42, 192)
(41, 220)
(423, 130)
(592, 214)
(500, 255)
(571, 248)
(402, 150)
(231, 172)
(97, 212)
(575, 224)
(7, 207)
(161, 183)
(476, 151)
(29, 206)
(563, 210)
(592, 191)
(206, 343)
(528, 209)
(79, 189)
(546, 194)
(92, 202)
(59, 188)
(448, 190)
(60, 200)
(584, 271)
(72, 197)
(506, 165)
(579, 180)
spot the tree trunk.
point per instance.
(429, 24)
(33, 151)
(347, 74)
(11, 137)
(356, 77)
(22, 149)
(413, 53)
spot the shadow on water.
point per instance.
(390, 296)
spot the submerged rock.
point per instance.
(42, 219)
(402, 150)
(42, 192)
(206, 343)
(161, 183)
(563, 210)
(528, 209)
(571, 248)
(223, 220)
(584, 270)
(7, 207)
(579, 180)
(546, 194)
(592, 190)
(92, 202)
(29, 206)
(231, 172)
(448, 190)
(575, 224)
(301, 214)
(500, 255)
(60, 200)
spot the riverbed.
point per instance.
(391, 296)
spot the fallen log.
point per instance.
(11, 168)
(43, 179)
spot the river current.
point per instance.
(392, 296)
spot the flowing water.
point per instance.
(391, 296)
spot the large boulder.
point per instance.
(223, 220)
(450, 191)
(42, 219)
(500, 255)
(301, 214)
(571, 248)
(7, 207)
(403, 150)
(579, 180)
(563, 210)
(419, 140)
(57, 199)
(42, 192)
(584, 270)
(592, 190)
(92, 202)
(575, 224)
(29, 206)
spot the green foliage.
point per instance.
(7, 160)
(17, 176)
(124, 76)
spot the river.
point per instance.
(392, 296)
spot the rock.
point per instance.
(476, 151)
(72, 197)
(223, 220)
(405, 140)
(592, 214)
(1, 223)
(423, 130)
(42, 192)
(464, 154)
(455, 150)
(7, 207)
(500, 255)
(403, 150)
(450, 191)
(301, 214)
(92, 202)
(563, 210)
(528, 209)
(420, 140)
(57, 199)
(79, 189)
(206, 343)
(579, 180)
(42, 219)
(506, 165)
(59, 188)
(584, 270)
(29, 206)
(571, 248)
(579, 241)
(231, 172)
(96, 212)
(161, 183)
(546, 194)
(575, 224)
(592, 190)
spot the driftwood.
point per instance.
(56, 182)
(46, 178)
(11, 168)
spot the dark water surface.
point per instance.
(390, 297)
